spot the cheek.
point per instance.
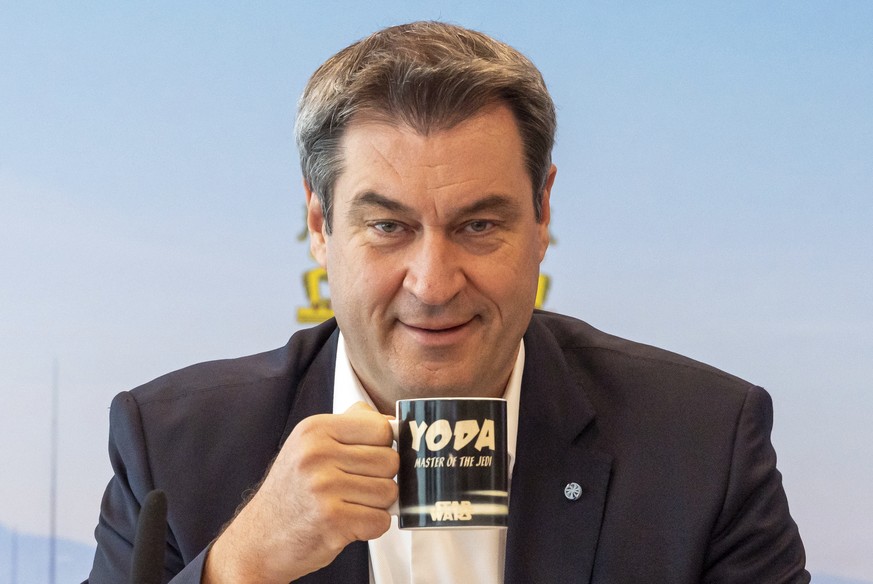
(519, 285)
(362, 284)
(507, 284)
(522, 262)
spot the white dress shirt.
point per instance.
(434, 556)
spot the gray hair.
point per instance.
(426, 75)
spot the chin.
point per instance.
(444, 388)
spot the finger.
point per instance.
(361, 426)
(358, 426)
(329, 493)
(371, 523)
(369, 492)
(368, 461)
(359, 522)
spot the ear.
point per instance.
(546, 214)
(317, 226)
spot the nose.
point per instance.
(434, 271)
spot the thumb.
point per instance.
(360, 406)
(365, 409)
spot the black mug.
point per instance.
(453, 463)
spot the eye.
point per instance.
(387, 227)
(479, 226)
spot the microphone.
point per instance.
(150, 541)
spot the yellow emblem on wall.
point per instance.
(319, 310)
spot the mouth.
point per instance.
(437, 328)
(438, 333)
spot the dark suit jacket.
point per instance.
(678, 475)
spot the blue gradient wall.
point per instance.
(714, 196)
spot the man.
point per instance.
(426, 156)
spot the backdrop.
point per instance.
(714, 197)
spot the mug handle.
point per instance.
(394, 509)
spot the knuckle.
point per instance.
(322, 485)
(378, 523)
(393, 462)
(332, 513)
(335, 526)
(393, 491)
(307, 461)
(387, 491)
(310, 426)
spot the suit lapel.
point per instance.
(314, 392)
(552, 537)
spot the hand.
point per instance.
(331, 484)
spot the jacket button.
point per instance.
(572, 491)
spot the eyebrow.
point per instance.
(369, 199)
(493, 202)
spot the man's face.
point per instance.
(434, 255)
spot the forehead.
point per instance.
(485, 149)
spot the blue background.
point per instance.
(714, 197)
